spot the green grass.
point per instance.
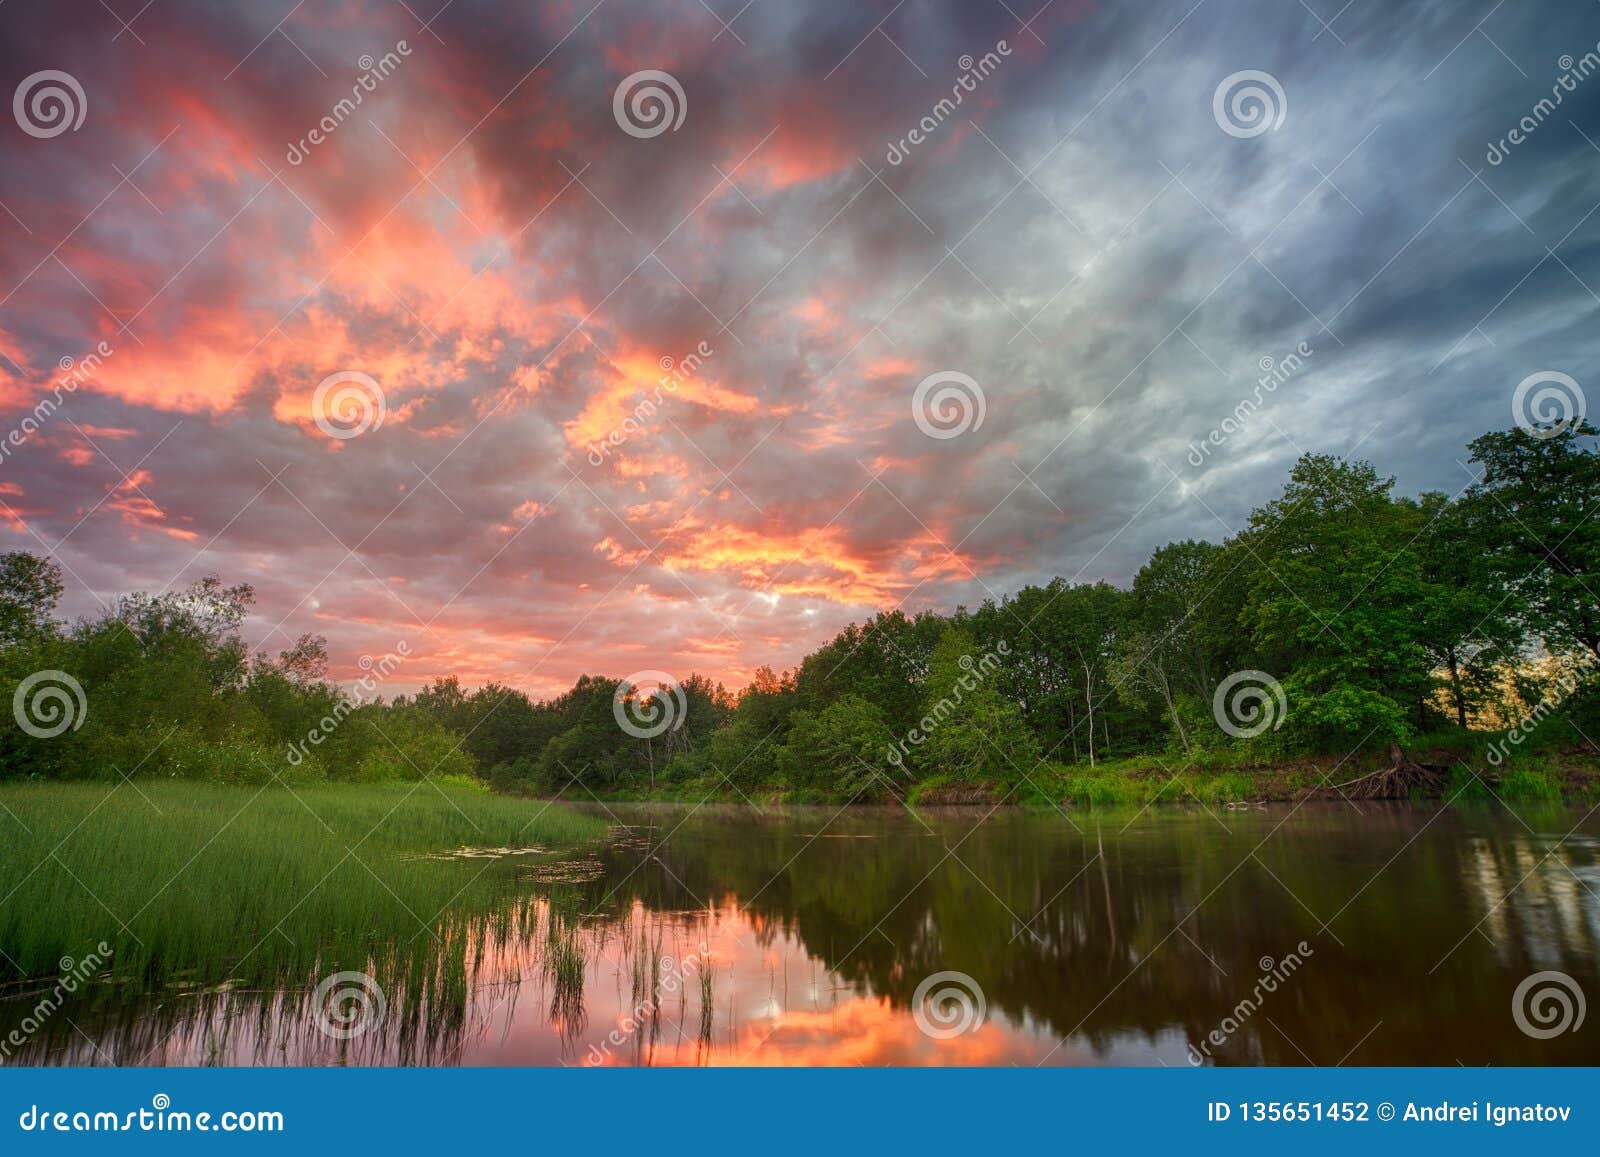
(1527, 784)
(194, 883)
(1111, 787)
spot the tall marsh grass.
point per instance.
(199, 884)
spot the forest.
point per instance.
(1342, 623)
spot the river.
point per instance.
(1310, 935)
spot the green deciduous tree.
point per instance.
(30, 587)
(1537, 513)
(969, 730)
(842, 750)
(1160, 654)
(1468, 623)
(1331, 606)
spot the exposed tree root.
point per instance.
(1403, 776)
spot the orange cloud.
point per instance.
(140, 510)
(811, 562)
(792, 157)
(639, 389)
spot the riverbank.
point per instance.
(1212, 778)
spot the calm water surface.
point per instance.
(1396, 935)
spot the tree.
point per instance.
(884, 661)
(447, 703)
(1333, 604)
(498, 724)
(402, 743)
(1160, 652)
(841, 750)
(30, 587)
(1036, 676)
(306, 662)
(201, 622)
(1537, 511)
(1087, 620)
(968, 729)
(592, 749)
(744, 752)
(1469, 623)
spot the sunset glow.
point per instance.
(647, 395)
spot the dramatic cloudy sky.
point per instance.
(483, 240)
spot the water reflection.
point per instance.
(718, 936)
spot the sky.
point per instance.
(565, 338)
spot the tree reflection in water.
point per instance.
(723, 936)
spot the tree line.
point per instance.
(1340, 617)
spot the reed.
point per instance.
(200, 884)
